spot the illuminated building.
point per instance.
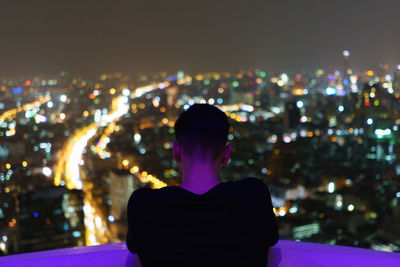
(396, 80)
(304, 231)
(50, 218)
(291, 117)
(122, 184)
(172, 92)
(299, 85)
(346, 72)
(8, 223)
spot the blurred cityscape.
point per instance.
(72, 151)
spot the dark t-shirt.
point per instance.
(232, 224)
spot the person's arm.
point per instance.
(130, 235)
(133, 259)
(272, 234)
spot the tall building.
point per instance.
(8, 223)
(298, 85)
(50, 218)
(396, 80)
(122, 184)
(291, 116)
(346, 61)
(346, 72)
(172, 94)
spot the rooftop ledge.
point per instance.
(284, 253)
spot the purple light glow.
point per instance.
(283, 254)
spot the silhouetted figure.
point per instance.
(202, 222)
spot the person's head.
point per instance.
(201, 134)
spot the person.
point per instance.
(202, 222)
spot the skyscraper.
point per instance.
(50, 218)
(396, 80)
(346, 72)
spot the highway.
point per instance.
(10, 114)
(67, 169)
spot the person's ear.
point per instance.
(227, 153)
(177, 151)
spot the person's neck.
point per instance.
(199, 178)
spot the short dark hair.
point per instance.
(202, 131)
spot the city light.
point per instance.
(115, 135)
(380, 133)
(63, 98)
(111, 218)
(331, 187)
(137, 137)
(10, 114)
(47, 171)
(331, 91)
(281, 211)
(293, 210)
(370, 73)
(350, 207)
(299, 104)
(126, 92)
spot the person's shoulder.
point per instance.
(139, 195)
(142, 192)
(252, 181)
(149, 195)
(253, 185)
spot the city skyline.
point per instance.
(98, 37)
(321, 141)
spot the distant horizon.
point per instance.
(70, 73)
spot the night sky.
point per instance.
(91, 37)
